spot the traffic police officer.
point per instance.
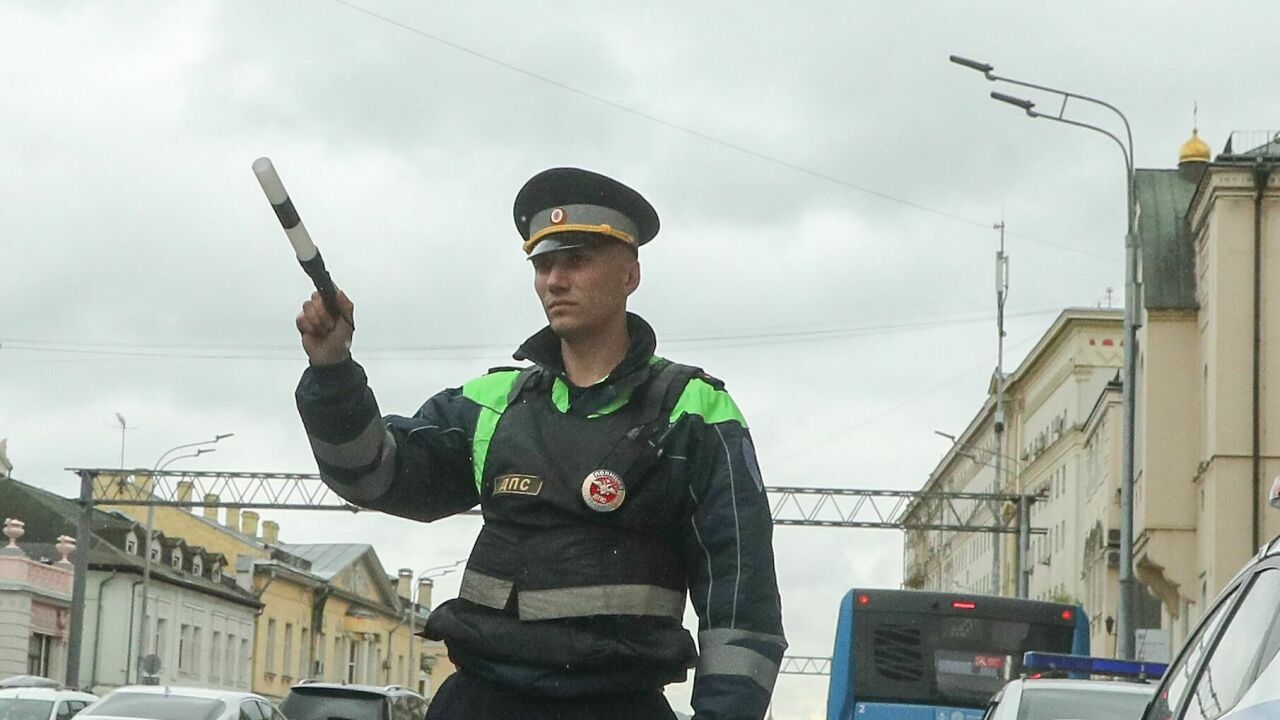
(614, 484)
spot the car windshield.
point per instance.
(1081, 704)
(333, 704)
(157, 706)
(24, 709)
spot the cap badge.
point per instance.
(603, 490)
(558, 216)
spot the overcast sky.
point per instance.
(826, 182)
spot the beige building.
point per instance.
(1060, 445)
(1209, 385)
(1206, 383)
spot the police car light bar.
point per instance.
(1093, 665)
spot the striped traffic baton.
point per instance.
(308, 254)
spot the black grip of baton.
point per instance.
(320, 276)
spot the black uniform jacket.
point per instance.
(578, 581)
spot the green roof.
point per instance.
(1168, 252)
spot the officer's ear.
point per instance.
(632, 280)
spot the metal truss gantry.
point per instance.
(805, 665)
(792, 506)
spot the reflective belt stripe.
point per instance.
(720, 655)
(484, 590)
(601, 600)
(354, 453)
(373, 484)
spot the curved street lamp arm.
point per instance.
(1128, 163)
(1066, 94)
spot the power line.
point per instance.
(204, 351)
(891, 409)
(707, 137)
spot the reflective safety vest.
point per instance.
(576, 583)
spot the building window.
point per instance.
(176, 560)
(269, 662)
(184, 648)
(304, 652)
(39, 650)
(216, 574)
(351, 661)
(197, 567)
(197, 648)
(319, 669)
(244, 662)
(131, 544)
(160, 638)
(215, 667)
(155, 551)
(288, 649)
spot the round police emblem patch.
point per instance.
(558, 216)
(603, 490)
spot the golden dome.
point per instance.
(1194, 150)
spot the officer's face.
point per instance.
(583, 290)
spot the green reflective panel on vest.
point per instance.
(560, 395)
(712, 405)
(490, 393)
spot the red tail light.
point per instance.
(864, 599)
(964, 605)
(1068, 615)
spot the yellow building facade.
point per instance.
(330, 612)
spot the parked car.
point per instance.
(42, 703)
(1062, 699)
(162, 702)
(1229, 668)
(322, 700)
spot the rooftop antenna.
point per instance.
(123, 426)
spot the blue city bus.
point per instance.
(913, 655)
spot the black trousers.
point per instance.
(464, 696)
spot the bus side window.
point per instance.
(1232, 666)
(1178, 676)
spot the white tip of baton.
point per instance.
(269, 179)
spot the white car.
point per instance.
(42, 703)
(1230, 666)
(161, 702)
(1061, 699)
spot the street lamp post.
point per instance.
(411, 611)
(1126, 605)
(161, 463)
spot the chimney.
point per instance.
(210, 511)
(424, 592)
(404, 583)
(184, 490)
(270, 532)
(249, 523)
(233, 518)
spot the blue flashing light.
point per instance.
(1093, 665)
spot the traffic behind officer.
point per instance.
(614, 485)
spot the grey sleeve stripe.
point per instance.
(485, 590)
(353, 453)
(734, 660)
(650, 600)
(374, 484)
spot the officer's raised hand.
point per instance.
(327, 340)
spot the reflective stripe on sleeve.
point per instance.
(591, 600)
(721, 654)
(484, 590)
(371, 485)
(359, 452)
